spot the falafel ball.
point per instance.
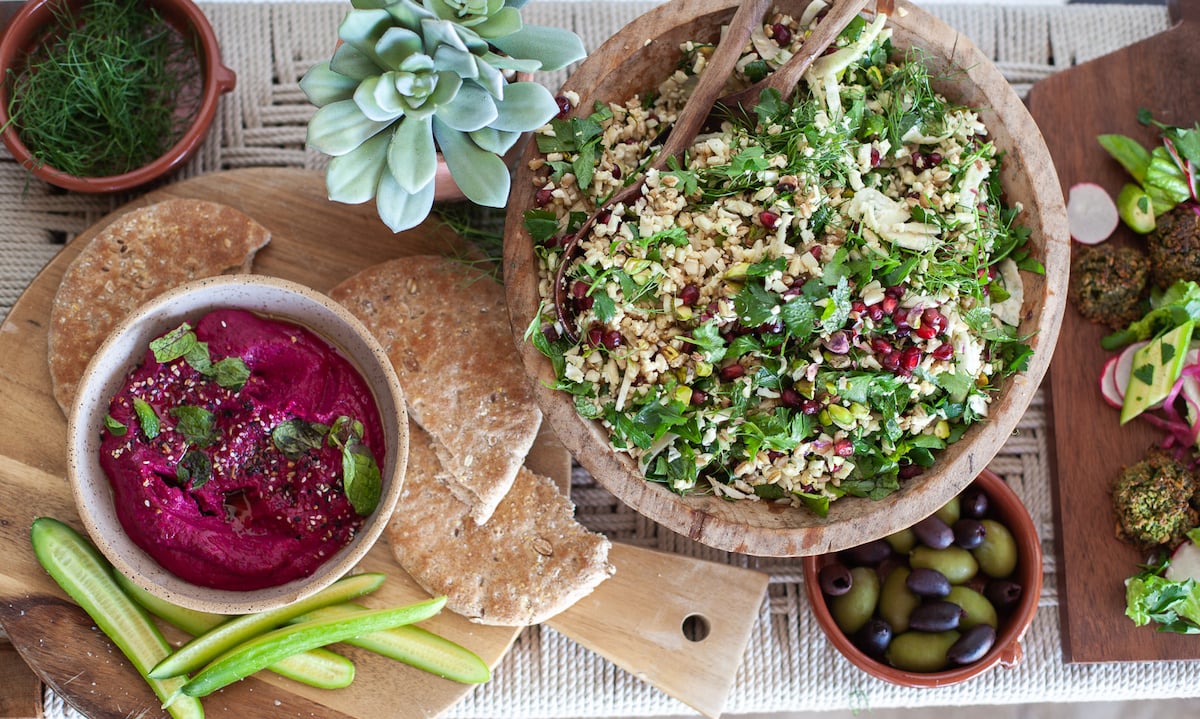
(1174, 246)
(1108, 282)
(1153, 500)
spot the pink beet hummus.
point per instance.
(242, 516)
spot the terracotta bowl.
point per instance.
(25, 29)
(125, 348)
(1005, 506)
(635, 60)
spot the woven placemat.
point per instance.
(788, 665)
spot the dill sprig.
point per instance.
(106, 90)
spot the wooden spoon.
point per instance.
(699, 105)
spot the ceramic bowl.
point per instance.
(25, 29)
(125, 348)
(1006, 507)
(638, 58)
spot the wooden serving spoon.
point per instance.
(696, 110)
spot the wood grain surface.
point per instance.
(637, 621)
(629, 63)
(1072, 108)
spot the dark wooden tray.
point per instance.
(1072, 108)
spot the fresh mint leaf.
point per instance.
(174, 344)
(361, 479)
(230, 373)
(114, 427)
(196, 424)
(296, 436)
(147, 418)
(195, 467)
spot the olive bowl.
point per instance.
(125, 348)
(635, 61)
(26, 30)
(1007, 508)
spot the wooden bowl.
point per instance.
(1006, 507)
(126, 347)
(638, 58)
(27, 28)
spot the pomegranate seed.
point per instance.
(926, 332)
(543, 196)
(896, 291)
(910, 470)
(768, 219)
(881, 346)
(595, 335)
(888, 305)
(858, 306)
(791, 398)
(943, 351)
(782, 35)
(875, 312)
(564, 106)
(603, 216)
(816, 252)
(549, 332)
(774, 454)
(910, 357)
(732, 372)
(579, 289)
(875, 157)
(616, 172)
(811, 407)
(698, 397)
(933, 159)
(579, 295)
(890, 361)
(843, 448)
(689, 295)
(613, 339)
(555, 241)
(934, 319)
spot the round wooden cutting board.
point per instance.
(317, 243)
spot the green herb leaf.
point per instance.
(296, 436)
(147, 418)
(707, 337)
(604, 306)
(196, 424)
(1144, 373)
(196, 467)
(361, 479)
(799, 316)
(231, 373)
(174, 344)
(114, 427)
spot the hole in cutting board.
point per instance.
(696, 627)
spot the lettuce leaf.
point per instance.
(1151, 597)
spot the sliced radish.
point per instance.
(1108, 383)
(1185, 563)
(1124, 368)
(1091, 213)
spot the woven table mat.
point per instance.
(788, 665)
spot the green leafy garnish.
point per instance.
(114, 427)
(196, 424)
(296, 436)
(1152, 598)
(230, 372)
(195, 467)
(147, 418)
(361, 479)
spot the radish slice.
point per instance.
(1091, 213)
(1108, 383)
(1124, 368)
(1185, 563)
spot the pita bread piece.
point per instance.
(137, 257)
(445, 327)
(530, 561)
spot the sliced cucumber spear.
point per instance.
(207, 646)
(263, 650)
(86, 577)
(412, 645)
(319, 668)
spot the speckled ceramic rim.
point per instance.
(124, 349)
(1006, 652)
(23, 30)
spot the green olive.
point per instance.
(955, 562)
(903, 541)
(979, 610)
(852, 609)
(896, 600)
(997, 556)
(950, 512)
(921, 651)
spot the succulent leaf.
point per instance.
(408, 13)
(471, 109)
(504, 62)
(526, 106)
(490, 78)
(396, 45)
(412, 154)
(387, 98)
(353, 64)
(340, 127)
(481, 175)
(493, 140)
(459, 62)
(447, 88)
(401, 210)
(505, 22)
(518, 4)
(322, 86)
(373, 4)
(361, 29)
(441, 32)
(554, 47)
(466, 12)
(366, 97)
(353, 177)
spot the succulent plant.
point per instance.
(411, 79)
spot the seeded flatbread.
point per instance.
(137, 257)
(445, 327)
(529, 562)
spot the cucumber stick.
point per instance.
(211, 644)
(263, 650)
(85, 575)
(319, 668)
(414, 646)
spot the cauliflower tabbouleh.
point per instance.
(808, 305)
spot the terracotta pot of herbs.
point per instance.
(98, 126)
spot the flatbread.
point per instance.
(445, 327)
(137, 257)
(529, 562)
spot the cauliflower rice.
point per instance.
(809, 305)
